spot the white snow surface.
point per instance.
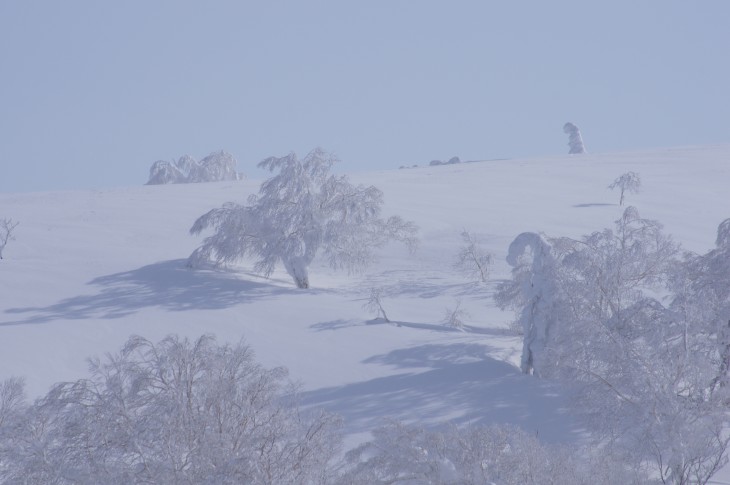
(90, 268)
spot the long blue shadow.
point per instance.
(463, 386)
(167, 284)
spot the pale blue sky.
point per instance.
(92, 92)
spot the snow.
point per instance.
(89, 268)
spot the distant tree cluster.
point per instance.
(649, 374)
(451, 161)
(216, 167)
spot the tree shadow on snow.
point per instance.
(596, 204)
(434, 327)
(461, 385)
(422, 284)
(167, 284)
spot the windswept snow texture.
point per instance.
(87, 269)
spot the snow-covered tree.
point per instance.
(7, 226)
(472, 260)
(299, 212)
(186, 165)
(575, 139)
(647, 376)
(163, 172)
(454, 317)
(533, 292)
(374, 304)
(216, 167)
(702, 288)
(628, 182)
(12, 397)
(172, 412)
(497, 454)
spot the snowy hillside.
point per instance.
(88, 269)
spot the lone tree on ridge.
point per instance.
(575, 140)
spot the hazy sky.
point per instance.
(92, 92)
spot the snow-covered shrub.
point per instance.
(575, 139)
(172, 412)
(646, 375)
(374, 304)
(454, 317)
(7, 226)
(472, 260)
(300, 211)
(628, 182)
(216, 167)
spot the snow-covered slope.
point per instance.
(90, 268)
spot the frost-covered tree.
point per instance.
(472, 260)
(374, 304)
(575, 139)
(12, 396)
(533, 292)
(186, 165)
(7, 227)
(503, 455)
(647, 376)
(216, 167)
(702, 288)
(454, 317)
(172, 412)
(628, 182)
(299, 212)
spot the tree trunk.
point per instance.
(297, 269)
